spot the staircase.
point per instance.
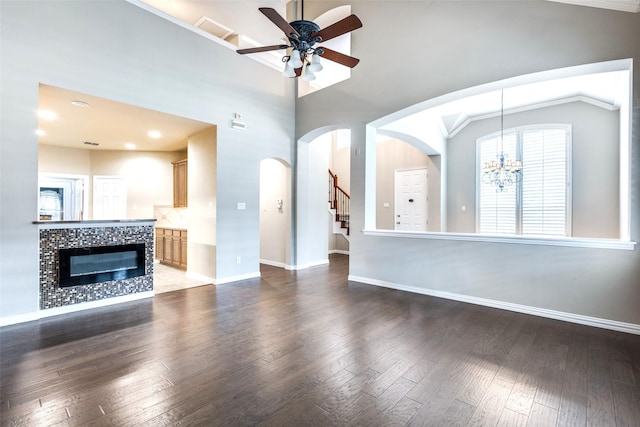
(339, 205)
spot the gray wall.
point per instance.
(464, 44)
(595, 167)
(392, 155)
(120, 52)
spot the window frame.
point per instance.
(519, 131)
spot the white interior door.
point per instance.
(411, 199)
(109, 197)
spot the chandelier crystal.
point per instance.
(502, 172)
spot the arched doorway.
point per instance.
(318, 234)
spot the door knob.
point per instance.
(410, 200)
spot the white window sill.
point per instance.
(575, 242)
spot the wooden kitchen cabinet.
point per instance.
(180, 184)
(171, 247)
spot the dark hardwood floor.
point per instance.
(309, 348)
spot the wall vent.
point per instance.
(95, 144)
(213, 27)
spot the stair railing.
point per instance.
(339, 200)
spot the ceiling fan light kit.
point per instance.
(304, 58)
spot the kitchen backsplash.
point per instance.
(170, 217)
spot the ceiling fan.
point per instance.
(303, 35)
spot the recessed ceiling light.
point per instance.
(80, 103)
(47, 115)
(40, 132)
(130, 146)
(154, 134)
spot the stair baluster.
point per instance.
(340, 201)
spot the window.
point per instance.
(538, 204)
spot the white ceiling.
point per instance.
(109, 123)
(606, 90)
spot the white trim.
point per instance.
(309, 265)
(535, 311)
(275, 264)
(56, 311)
(575, 242)
(200, 277)
(632, 6)
(20, 318)
(535, 106)
(338, 251)
(237, 278)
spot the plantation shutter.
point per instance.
(497, 209)
(544, 182)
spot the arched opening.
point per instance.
(322, 224)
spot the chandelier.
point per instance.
(502, 172)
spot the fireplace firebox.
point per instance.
(83, 266)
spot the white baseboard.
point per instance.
(309, 265)
(276, 264)
(20, 318)
(551, 314)
(236, 278)
(41, 314)
(200, 277)
(338, 251)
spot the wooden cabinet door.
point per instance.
(159, 244)
(176, 248)
(171, 247)
(180, 184)
(183, 250)
(168, 250)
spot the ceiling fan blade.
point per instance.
(338, 57)
(339, 28)
(262, 49)
(280, 22)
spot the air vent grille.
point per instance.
(213, 27)
(95, 144)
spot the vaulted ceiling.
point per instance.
(225, 19)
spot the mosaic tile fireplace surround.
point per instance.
(56, 236)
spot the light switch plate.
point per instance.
(241, 206)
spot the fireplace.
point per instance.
(83, 266)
